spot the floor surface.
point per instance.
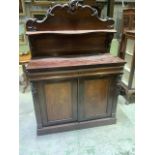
(117, 139)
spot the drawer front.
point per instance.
(58, 101)
(96, 96)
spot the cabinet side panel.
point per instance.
(36, 103)
(58, 100)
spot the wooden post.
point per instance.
(110, 9)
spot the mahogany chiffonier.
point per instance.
(74, 79)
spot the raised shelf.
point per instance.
(68, 32)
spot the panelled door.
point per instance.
(94, 101)
(71, 100)
(58, 101)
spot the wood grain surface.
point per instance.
(73, 61)
(58, 100)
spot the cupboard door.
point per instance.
(93, 98)
(58, 101)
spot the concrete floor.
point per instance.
(117, 139)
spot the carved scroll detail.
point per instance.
(73, 5)
(69, 15)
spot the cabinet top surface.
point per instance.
(67, 62)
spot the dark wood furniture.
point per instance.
(95, 4)
(98, 4)
(74, 79)
(128, 19)
(127, 52)
(110, 8)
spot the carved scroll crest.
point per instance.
(73, 5)
(68, 15)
